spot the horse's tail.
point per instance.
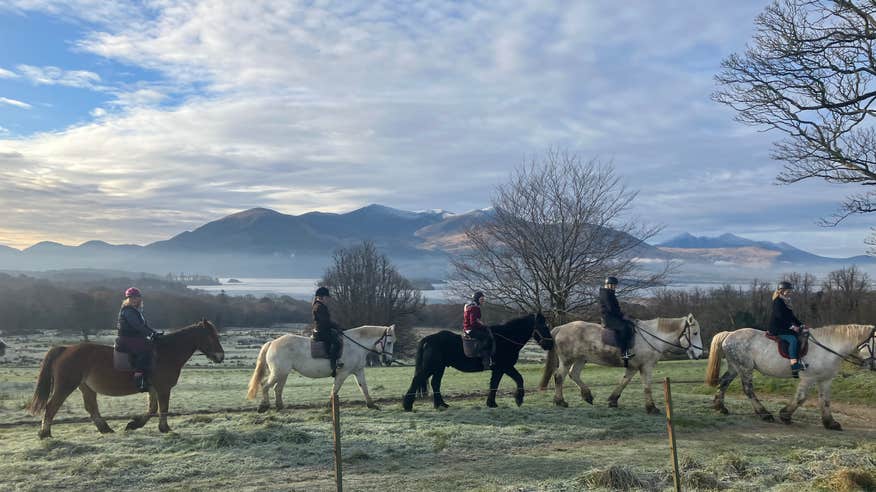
(420, 379)
(45, 381)
(716, 353)
(259, 373)
(550, 367)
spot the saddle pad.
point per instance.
(319, 350)
(122, 361)
(471, 347)
(782, 345)
(609, 337)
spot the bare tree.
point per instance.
(368, 290)
(809, 73)
(558, 227)
(844, 290)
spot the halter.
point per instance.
(869, 343)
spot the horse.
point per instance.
(2, 348)
(280, 356)
(89, 367)
(440, 350)
(748, 349)
(579, 342)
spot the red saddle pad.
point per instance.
(782, 345)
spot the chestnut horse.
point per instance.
(89, 367)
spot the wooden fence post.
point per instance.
(336, 424)
(676, 476)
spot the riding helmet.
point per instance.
(611, 281)
(132, 292)
(323, 292)
(785, 285)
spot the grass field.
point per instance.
(220, 442)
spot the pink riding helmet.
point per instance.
(132, 292)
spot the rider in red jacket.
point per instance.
(473, 327)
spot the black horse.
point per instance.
(436, 352)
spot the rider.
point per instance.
(137, 336)
(614, 319)
(326, 330)
(786, 326)
(475, 328)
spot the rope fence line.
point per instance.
(303, 404)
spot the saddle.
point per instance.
(782, 345)
(319, 349)
(124, 350)
(609, 337)
(474, 348)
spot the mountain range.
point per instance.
(264, 242)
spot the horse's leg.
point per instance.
(824, 402)
(494, 387)
(748, 388)
(269, 383)
(437, 398)
(646, 372)
(799, 398)
(615, 395)
(363, 386)
(514, 374)
(340, 377)
(163, 405)
(278, 390)
(89, 397)
(62, 389)
(559, 377)
(575, 374)
(723, 384)
(151, 409)
(411, 395)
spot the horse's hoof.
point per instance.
(561, 403)
(407, 409)
(723, 410)
(833, 425)
(372, 406)
(164, 429)
(133, 425)
(612, 403)
(492, 404)
(785, 417)
(768, 417)
(105, 430)
(280, 406)
(652, 410)
(44, 434)
(263, 408)
(589, 399)
(442, 406)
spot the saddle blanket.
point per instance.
(782, 345)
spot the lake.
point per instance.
(296, 288)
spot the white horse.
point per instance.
(280, 356)
(748, 349)
(579, 342)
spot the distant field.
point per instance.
(227, 445)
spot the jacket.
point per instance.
(782, 318)
(322, 320)
(471, 317)
(132, 323)
(608, 306)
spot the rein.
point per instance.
(870, 343)
(532, 334)
(685, 334)
(381, 341)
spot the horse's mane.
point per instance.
(838, 334)
(367, 330)
(512, 323)
(180, 332)
(668, 325)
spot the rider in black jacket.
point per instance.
(326, 330)
(785, 325)
(136, 337)
(614, 319)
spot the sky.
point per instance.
(133, 121)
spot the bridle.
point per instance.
(382, 341)
(869, 344)
(686, 335)
(534, 334)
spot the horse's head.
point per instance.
(386, 344)
(208, 342)
(542, 332)
(867, 352)
(2, 348)
(691, 337)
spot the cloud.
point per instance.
(15, 102)
(7, 74)
(50, 75)
(315, 105)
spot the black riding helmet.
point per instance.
(477, 297)
(323, 292)
(611, 281)
(785, 285)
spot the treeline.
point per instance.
(29, 304)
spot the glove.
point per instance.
(155, 335)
